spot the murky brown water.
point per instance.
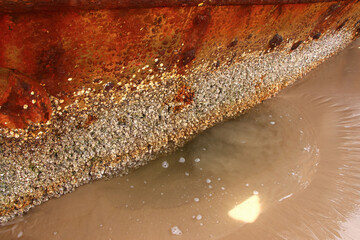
(289, 169)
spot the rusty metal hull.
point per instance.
(13, 6)
(94, 90)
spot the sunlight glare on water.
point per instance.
(247, 211)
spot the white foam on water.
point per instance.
(287, 196)
(175, 230)
(307, 148)
(165, 164)
(20, 234)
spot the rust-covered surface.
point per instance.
(58, 54)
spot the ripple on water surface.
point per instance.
(288, 169)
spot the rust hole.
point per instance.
(316, 35)
(188, 56)
(233, 43)
(296, 45)
(109, 86)
(275, 41)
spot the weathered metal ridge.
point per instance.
(33, 5)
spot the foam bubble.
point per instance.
(175, 230)
(165, 164)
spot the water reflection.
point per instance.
(288, 169)
(247, 211)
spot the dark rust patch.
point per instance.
(233, 43)
(275, 41)
(296, 45)
(316, 35)
(195, 36)
(231, 60)
(97, 80)
(332, 9)
(109, 86)
(202, 18)
(188, 56)
(338, 28)
(217, 64)
(356, 30)
(50, 67)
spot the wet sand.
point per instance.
(288, 169)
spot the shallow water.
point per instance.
(289, 169)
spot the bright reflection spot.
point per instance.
(247, 211)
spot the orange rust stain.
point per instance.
(116, 44)
(22, 101)
(90, 120)
(184, 96)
